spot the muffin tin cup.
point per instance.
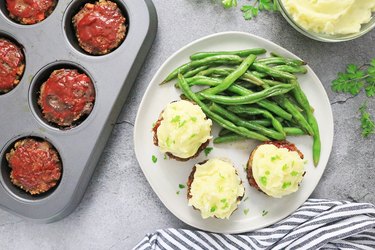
(47, 46)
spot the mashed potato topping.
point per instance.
(183, 129)
(277, 171)
(215, 189)
(331, 16)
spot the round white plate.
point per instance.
(165, 175)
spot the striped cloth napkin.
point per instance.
(318, 224)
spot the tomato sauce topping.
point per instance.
(11, 58)
(100, 25)
(32, 11)
(35, 166)
(66, 95)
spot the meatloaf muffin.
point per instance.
(30, 11)
(182, 131)
(215, 189)
(276, 168)
(100, 27)
(66, 96)
(36, 167)
(12, 65)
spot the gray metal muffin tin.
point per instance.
(49, 45)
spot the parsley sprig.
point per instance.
(229, 3)
(367, 122)
(354, 80)
(251, 11)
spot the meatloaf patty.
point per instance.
(12, 65)
(66, 96)
(36, 166)
(30, 11)
(100, 27)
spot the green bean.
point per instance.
(291, 69)
(195, 71)
(292, 131)
(228, 138)
(241, 53)
(223, 59)
(255, 111)
(291, 108)
(217, 118)
(247, 76)
(263, 122)
(281, 61)
(272, 82)
(250, 98)
(224, 131)
(270, 106)
(232, 77)
(273, 72)
(247, 124)
(259, 74)
(304, 102)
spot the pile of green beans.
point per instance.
(249, 97)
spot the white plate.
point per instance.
(165, 176)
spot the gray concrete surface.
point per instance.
(119, 207)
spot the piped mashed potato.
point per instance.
(183, 129)
(216, 189)
(277, 171)
(333, 17)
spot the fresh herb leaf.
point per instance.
(249, 12)
(355, 78)
(165, 157)
(207, 151)
(154, 159)
(213, 208)
(264, 212)
(229, 3)
(181, 186)
(246, 211)
(367, 122)
(178, 192)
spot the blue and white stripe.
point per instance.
(318, 224)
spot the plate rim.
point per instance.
(162, 66)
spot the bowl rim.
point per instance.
(324, 37)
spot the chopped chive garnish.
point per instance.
(285, 167)
(176, 118)
(154, 159)
(165, 157)
(168, 142)
(194, 119)
(181, 186)
(276, 157)
(286, 185)
(268, 172)
(223, 200)
(181, 124)
(178, 192)
(294, 173)
(246, 199)
(193, 135)
(264, 213)
(226, 205)
(213, 209)
(263, 180)
(207, 151)
(246, 211)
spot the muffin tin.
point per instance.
(49, 45)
